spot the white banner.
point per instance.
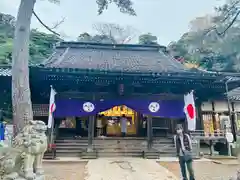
(190, 111)
(52, 107)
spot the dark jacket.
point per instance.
(186, 142)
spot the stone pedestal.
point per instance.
(37, 178)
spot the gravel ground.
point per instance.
(64, 170)
(206, 170)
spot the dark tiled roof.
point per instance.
(5, 71)
(109, 57)
(234, 94)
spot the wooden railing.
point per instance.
(215, 135)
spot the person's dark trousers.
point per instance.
(123, 134)
(183, 165)
(144, 132)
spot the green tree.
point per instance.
(21, 97)
(147, 39)
(84, 37)
(40, 43)
(207, 49)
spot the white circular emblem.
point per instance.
(88, 107)
(154, 107)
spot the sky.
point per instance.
(167, 19)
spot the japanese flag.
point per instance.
(52, 107)
(190, 111)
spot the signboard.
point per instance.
(221, 106)
(229, 137)
(206, 106)
(118, 111)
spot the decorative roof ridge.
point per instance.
(51, 59)
(173, 61)
(205, 71)
(231, 73)
(94, 45)
(4, 66)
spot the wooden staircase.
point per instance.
(165, 146)
(70, 147)
(114, 147)
(120, 147)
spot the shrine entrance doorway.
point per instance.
(113, 117)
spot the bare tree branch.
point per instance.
(230, 24)
(42, 23)
(115, 32)
(57, 24)
(214, 28)
(227, 15)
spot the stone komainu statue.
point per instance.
(23, 161)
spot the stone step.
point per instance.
(123, 148)
(112, 147)
(116, 139)
(72, 144)
(100, 141)
(99, 148)
(65, 154)
(49, 155)
(119, 154)
(68, 151)
(119, 151)
(70, 148)
(103, 144)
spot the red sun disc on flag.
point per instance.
(190, 111)
(52, 108)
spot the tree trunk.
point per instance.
(21, 95)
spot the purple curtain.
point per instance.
(73, 107)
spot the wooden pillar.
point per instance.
(90, 133)
(149, 132)
(199, 123)
(234, 122)
(91, 122)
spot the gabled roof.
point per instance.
(110, 57)
(5, 71)
(234, 94)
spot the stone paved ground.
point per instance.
(107, 169)
(126, 169)
(64, 170)
(133, 169)
(206, 170)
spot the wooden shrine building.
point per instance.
(116, 79)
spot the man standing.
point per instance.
(144, 127)
(123, 125)
(183, 146)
